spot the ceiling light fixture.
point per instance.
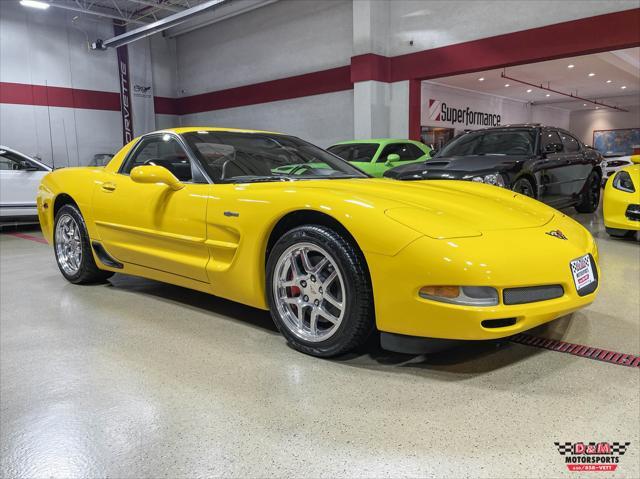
(623, 87)
(548, 94)
(584, 104)
(481, 79)
(608, 81)
(529, 90)
(570, 66)
(34, 4)
(507, 85)
(592, 74)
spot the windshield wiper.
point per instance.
(259, 179)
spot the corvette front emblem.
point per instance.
(557, 234)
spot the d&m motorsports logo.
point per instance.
(592, 456)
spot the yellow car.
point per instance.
(271, 221)
(621, 203)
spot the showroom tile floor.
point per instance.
(136, 378)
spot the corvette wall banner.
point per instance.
(136, 88)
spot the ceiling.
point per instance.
(136, 12)
(611, 71)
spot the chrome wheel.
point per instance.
(309, 292)
(68, 244)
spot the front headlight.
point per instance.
(623, 182)
(491, 179)
(463, 295)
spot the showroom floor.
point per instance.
(140, 376)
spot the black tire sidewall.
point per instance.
(358, 309)
(88, 270)
(529, 185)
(589, 204)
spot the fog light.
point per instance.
(464, 295)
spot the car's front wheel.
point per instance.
(524, 187)
(72, 248)
(319, 291)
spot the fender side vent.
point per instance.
(105, 258)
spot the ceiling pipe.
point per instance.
(570, 95)
(160, 5)
(159, 26)
(93, 12)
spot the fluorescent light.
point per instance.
(623, 87)
(34, 4)
(507, 85)
(529, 90)
(597, 108)
(608, 81)
(570, 66)
(548, 94)
(592, 74)
(481, 79)
(584, 104)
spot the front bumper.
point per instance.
(501, 259)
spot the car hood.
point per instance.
(456, 166)
(443, 209)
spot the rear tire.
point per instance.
(73, 250)
(590, 196)
(319, 291)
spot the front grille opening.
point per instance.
(633, 212)
(498, 323)
(532, 294)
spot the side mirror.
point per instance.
(391, 158)
(635, 159)
(553, 148)
(156, 174)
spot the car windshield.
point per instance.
(362, 152)
(238, 157)
(506, 142)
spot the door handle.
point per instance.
(108, 186)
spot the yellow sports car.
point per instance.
(621, 203)
(274, 222)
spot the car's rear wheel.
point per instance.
(590, 197)
(319, 291)
(73, 250)
(524, 187)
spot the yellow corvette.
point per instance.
(621, 203)
(274, 222)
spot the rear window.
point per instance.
(510, 142)
(362, 152)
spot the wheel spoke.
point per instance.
(300, 316)
(321, 264)
(329, 279)
(306, 262)
(328, 316)
(333, 301)
(313, 321)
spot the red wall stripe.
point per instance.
(23, 94)
(163, 105)
(325, 81)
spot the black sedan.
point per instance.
(545, 163)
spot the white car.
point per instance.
(20, 177)
(611, 164)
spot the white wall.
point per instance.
(320, 119)
(510, 111)
(437, 23)
(49, 48)
(583, 123)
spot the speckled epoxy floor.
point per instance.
(139, 379)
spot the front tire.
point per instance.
(590, 197)
(524, 187)
(73, 250)
(319, 291)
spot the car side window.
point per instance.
(8, 164)
(571, 145)
(406, 152)
(12, 162)
(162, 151)
(548, 137)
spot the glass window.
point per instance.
(499, 142)
(571, 145)
(548, 137)
(237, 157)
(162, 151)
(12, 162)
(362, 152)
(406, 152)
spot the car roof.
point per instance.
(376, 141)
(191, 129)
